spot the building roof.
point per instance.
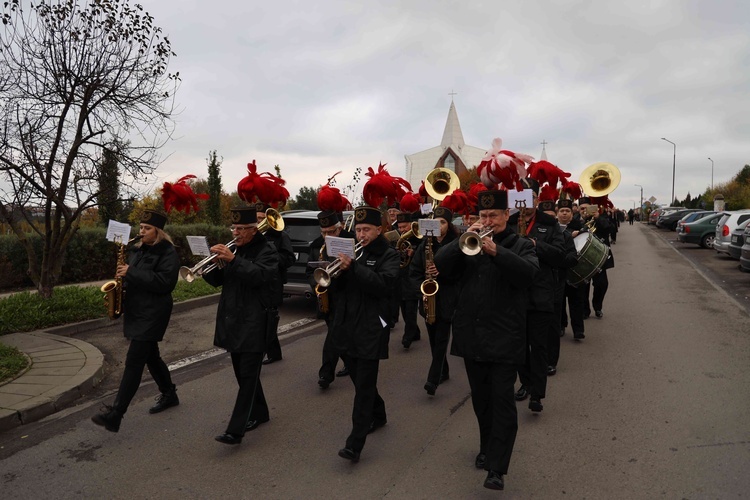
(418, 165)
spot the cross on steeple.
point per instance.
(451, 93)
(544, 144)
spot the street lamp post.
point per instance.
(674, 160)
(712, 174)
(638, 185)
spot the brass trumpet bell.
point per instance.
(599, 179)
(441, 182)
(273, 221)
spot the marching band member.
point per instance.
(330, 225)
(149, 278)
(573, 295)
(283, 245)
(407, 294)
(439, 332)
(489, 326)
(361, 326)
(602, 228)
(245, 316)
(548, 241)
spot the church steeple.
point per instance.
(452, 135)
(544, 151)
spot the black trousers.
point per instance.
(409, 313)
(440, 334)
(273, 346)
(553, 333)
(368, 405)
(330, 357)
(600, 283)
(142, 353)
(495, 408)
(533, 373)
(574, 296)
(251, 402)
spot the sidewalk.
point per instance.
(62, 370)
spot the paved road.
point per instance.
(653, 403)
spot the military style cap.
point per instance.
(584, 199)
(261, 207)
(403, 217)
(546, 206)
(565, 203)
(443, 213)
(244, 216)
(367, 215)
(328, 219)
(529, 183)
(154, 218)
(492, 200)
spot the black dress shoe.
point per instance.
(535, 404)
(480, 461)
(349, 454)
(253, 424)
(344, 372)
(578, 335)
(430, 388)
(599, 314)
(522, 393)
(164, 401)
(228, 438)
(323, 382)
(268, 361)
(551, 370)
(375, 425)
(406, 343)
(494, 481)
(109, 419)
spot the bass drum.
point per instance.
(592, 254)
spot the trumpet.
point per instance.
(206, 265)
(470, 242)
(273, 221)
(403, 244)
(324, 277)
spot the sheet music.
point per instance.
(118, 232)
(429, 227)
(198, 245)
(336, 245)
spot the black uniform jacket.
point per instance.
(489, 323)
(151, 277)
(550, 249)
(448, 286)
(283, 245)
(361, 300)
(247, 289)
(570, 258)
(407, 290)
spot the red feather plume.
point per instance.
(409, 203)
(548, 193)
(573, 189)
(544, 171)
(457, 202)
(473, 194)
(180, 196)
(382, 186)
(265, 187)
(330, 198)
(500, 166)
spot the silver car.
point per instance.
(728, 223)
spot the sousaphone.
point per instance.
(599, 179)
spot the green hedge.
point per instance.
(26, 311)
(89, 256)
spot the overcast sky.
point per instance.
(322, 86)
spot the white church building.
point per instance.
(452, 153)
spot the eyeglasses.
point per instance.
(235, 229)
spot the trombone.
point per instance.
(206, 265)
(324, 277)
(470, 242)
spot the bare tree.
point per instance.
(75, 76)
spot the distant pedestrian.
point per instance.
(148, 278)
(631, 216)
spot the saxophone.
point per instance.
(321, 292)
(429, 287)
(113, 290)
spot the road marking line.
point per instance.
(211, 353)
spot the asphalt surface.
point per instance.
(653, 403)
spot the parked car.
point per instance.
(692, 217)
(736, 240)
(654, 215)
(700, 232)
(303, 227)
(669, 219)
(745, 254)
(725, 226)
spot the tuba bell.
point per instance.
(441, 182)
(599, 179)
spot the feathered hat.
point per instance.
(502, 167)
(330, 198)
(180, 196)
(265, 187)
(381, 186)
